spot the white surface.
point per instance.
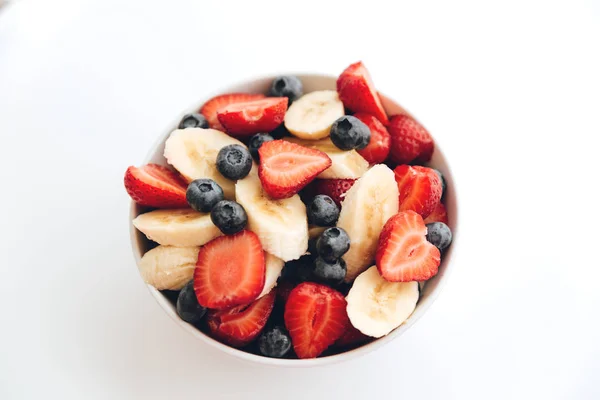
(511, 91)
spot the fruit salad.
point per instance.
(290, 224)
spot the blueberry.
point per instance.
(203, 194)
(229, 216)
(298, 270)
(188, 308)
(442, 179)
(286, 86)
(439, 235)
(274, 342)
(330, 273)
(234, 161)
(280, 132)
(332, 244)
(312, 246)
(193, 121)
(349, 133)
(322, 211)
(256, 141)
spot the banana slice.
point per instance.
(344, 164)
(311, 116)
(167, 267)
(273, 267)
(280, 224)
(376, 307)
(193, 152)
(369, 203)
(180, 228)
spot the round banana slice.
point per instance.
(168, 267)
(273, 267)
(311, 116)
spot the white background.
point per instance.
(510, 90)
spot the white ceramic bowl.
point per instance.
(431, 290)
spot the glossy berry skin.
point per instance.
(256, 141)
(329, 273)
(439, 235)
(286, 86)
(437, 171)
(299, 270)
(188, 308)
(234, 162)
(229, 216)
(203, 194)
(332, 244)
(322, 211)
(348, 133)
(274, 342)
(194, 120)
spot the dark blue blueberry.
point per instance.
(234, 162)
(193, 121)
(298, 270)
(443, 180)
(286, 86)
(349, 133)
(274, 342)
(312, 246)
(330, 273)
(256, 141)
(322, 211)
(229, 216)
(280, 132)
(439, 235)
(203, 194)
(333, 243)
(188, 308)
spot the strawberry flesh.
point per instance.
(210, 108)
(248, 118)
(155, 186)
(378, 148)
(334, 188)
(357, 92)
(438, 215)
(411, 143)
(352, 337)
(420, 189)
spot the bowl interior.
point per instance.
(429, 292)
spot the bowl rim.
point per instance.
(423, 306)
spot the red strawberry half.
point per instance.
(286, 167)
(315, 316)
(403, 253)
(210, 108)
(245, 119)
(357, 92)
(240, 325)
(410, 141)
(352, 337)
(438, 215)
(334, 188)
(230, 271)
(378, 148)
(155, 186)
(420, 189)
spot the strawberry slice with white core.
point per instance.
(248, 118)
(210, 108)
(155, 186)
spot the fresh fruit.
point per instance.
(256, 141)
(315, 317)
(315, 231)
(376, 307)
(310, 117)
(352, 337)
(299, 270)
(358, 93)
(439, 235)
(193, 120)
(188, 308)
(234, 161)
(333, 244)
(275, 342)
(193, 152)
(344, 164)
(378, 148)
(334, 188)
(229, 216)
(168, 267)
(240, 325)
(203, 194)
(280, 224)
(420, 189)
(155, 186)
(273, 268)
(286, 86)
(371, 201)
(438, 215)
(410, 141)
(350, 133)
(285, 167)
(330, 273)
(182, 227)
(437, 171)
(210, 108)
(322, 211)
(246, 119)
(403, 253)
(230, 271)
(283, 291)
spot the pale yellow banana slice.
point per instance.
(311, 116)
(273, 267)
(168, 267)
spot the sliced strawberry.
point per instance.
(248, 118)
(240, 325)
(334, 188)
(438, 215)
(378, 148)
(210, 108)
(410, 141)
(357, 92)
(420, 189)
(403, 253)
(352, 337)
(315, 316)
(155, 186)
(230, 271)
(286, 167)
